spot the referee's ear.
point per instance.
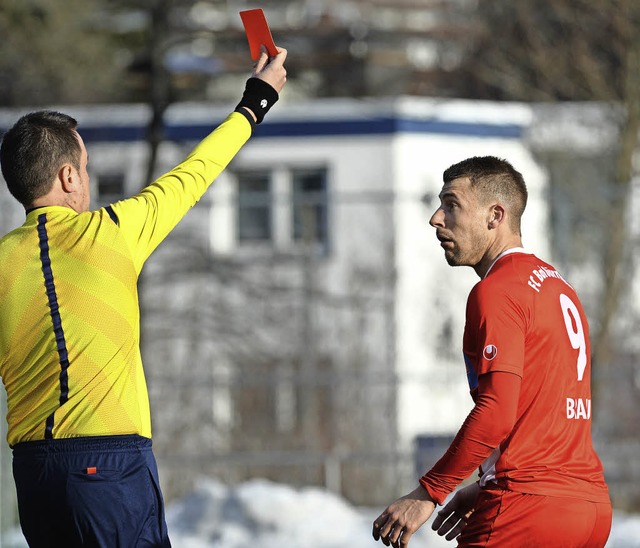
(66, 179)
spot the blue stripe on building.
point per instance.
(384, 125)
(61, 344)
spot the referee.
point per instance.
(78, 408)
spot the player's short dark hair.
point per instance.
(33, 151)
(493, 178)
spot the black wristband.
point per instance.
(259, 97)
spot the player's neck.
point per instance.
(494, 251)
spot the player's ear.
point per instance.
(497, 215)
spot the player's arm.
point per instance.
(147, 218)
(495, 314)
(487, 425)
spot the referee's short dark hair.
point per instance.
(33, 151)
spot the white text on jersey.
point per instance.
(542, 273)
(578, 408)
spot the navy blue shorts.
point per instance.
(91, 491)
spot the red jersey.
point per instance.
(526, 326)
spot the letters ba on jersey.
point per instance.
(578, 408)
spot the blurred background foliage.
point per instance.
(94, 51)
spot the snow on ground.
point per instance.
(262, 514)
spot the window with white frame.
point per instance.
(282, 206)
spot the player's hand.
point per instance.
(403, 518)
(271, 69)
(453, 517)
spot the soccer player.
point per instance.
(526, 349)
(78, 407)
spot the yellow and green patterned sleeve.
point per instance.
(147, 218)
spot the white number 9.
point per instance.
(573, 323)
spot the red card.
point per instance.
(258, 33)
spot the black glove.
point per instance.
(259, 97)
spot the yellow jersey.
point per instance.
(69, 316)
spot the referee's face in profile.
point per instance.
(461, 224)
